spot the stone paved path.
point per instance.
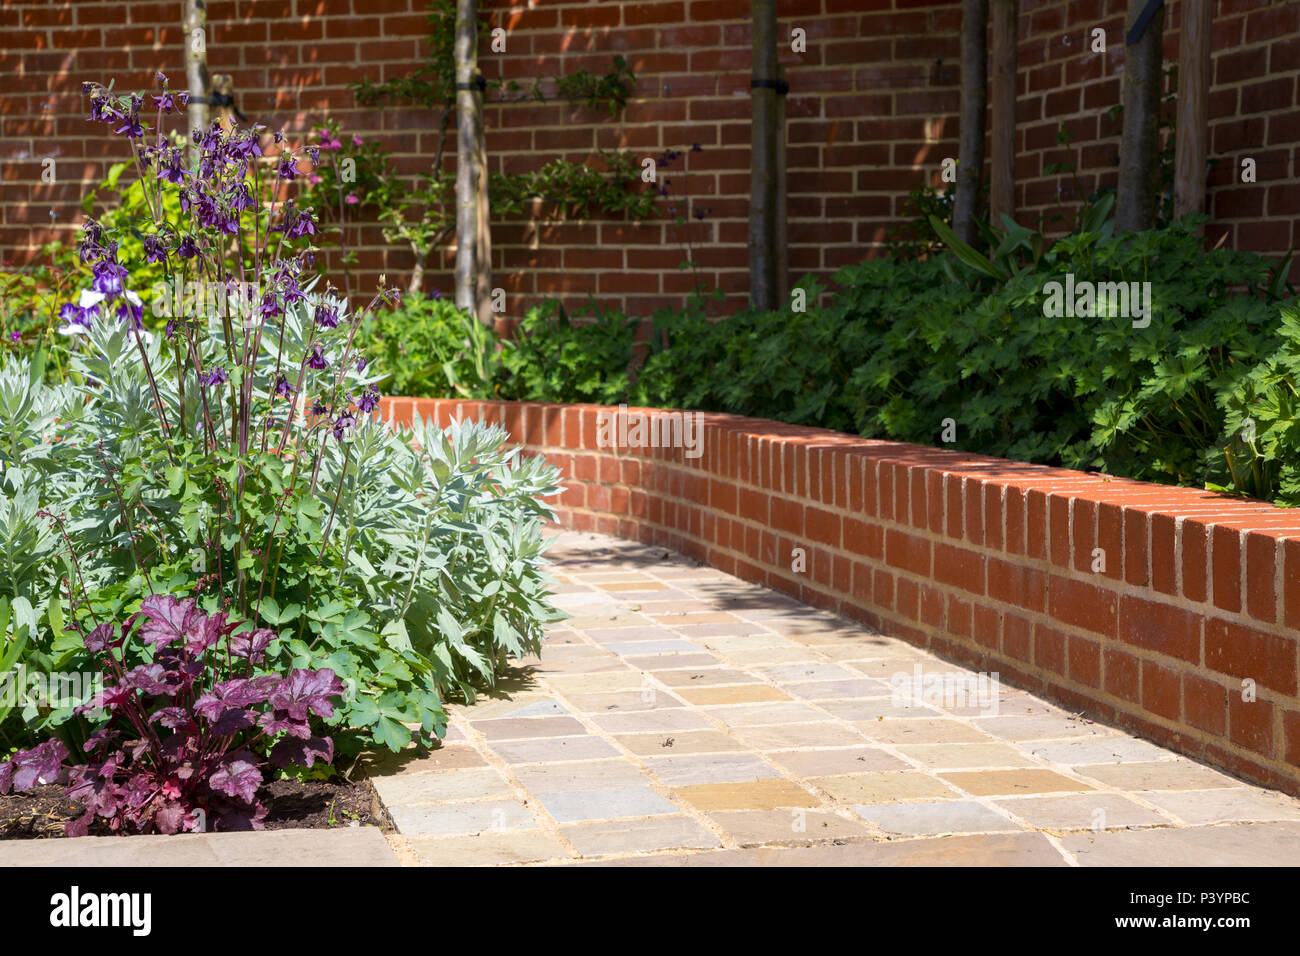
(683, 716)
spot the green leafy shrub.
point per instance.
(554, 359)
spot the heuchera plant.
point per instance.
(188, 734)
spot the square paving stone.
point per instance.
(965, 756)
(754, 795)
(1158, 775)
(772, 654)
(684, 742)
(987, 783)
(553, 749)
(836, 689)
(790, 736)
(639, 836)
(648, 697)
(624, 679)
(929, 819)
(651, 721)
(812, 671)
(883, 787)
(453, 785)
(841, 760)
(710, 768)
(734, 694)
(570, 806)
(491, 848)
(789, 827)
(623, 635)
(450, 819)
(703, 677)
(582, 775)
(1238, 805)
(764, 714)
(527, 705)
(1082, 811)
(439, 758)
(519, 728)
(876, 709)
(922, 731)
(1101, 750)
(657, 662)
(1039, 727)
(655, 647)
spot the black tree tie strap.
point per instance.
(781, 86)
(221, 99)
(1140, 24)
(479, 83)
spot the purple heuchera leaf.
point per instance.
(252, 645)
(238, 777)
(305, 690)
(241, 692)
(166, 618)
(154, 679)
(27, 768)
(302, 753)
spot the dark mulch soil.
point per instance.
(294, 804)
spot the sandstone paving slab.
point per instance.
(638, 836)
(757, 656)
(923, 731)
(836, 689)
(876, 708)
(802, 673)
(1236, 805)
(789, 826)
(569, 806)
(657, 662)
(1019, 727)
(994, 849)
(518, 728)
(670, 646)
(754, 795)
(624, 635)
(703, 677)
(710, 768)
(622, 679)
(732, 694)
(765, 713)
(626, 701)
(492, 848)
(988, 783)
(930, 819)
(652, 721)
(345, 846)
(838, 760)
(883, 787)
(581, 775)
(736, 628)
(441, 758)
(688, 741)
(1114, 749)
(1180, 774)
(534, 704)
(448, 787)
(789, 736)
(553, 749)
(452, 819)
(1247, 844)
(1082, 811)
(964, 756)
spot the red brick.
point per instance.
(908, 553)
(1121, 674)
(1242, 652)
(1082, 605)
(959, 568)
(1160, 627)
(1160, 690)
(1195, 551)
(1085, 660)
(1226, 556)
(1250, 723)
(1049, 649)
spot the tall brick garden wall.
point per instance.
(1169, 611)
(872, 113)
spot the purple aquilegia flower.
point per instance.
(327, 317)
(130, 127)
(270, 307)
(302, 225)
(155, 250)
(214, 376)
(109, 278)
(369, 399)
(187, 249)
(132, 312)
(317, 359)
(343, 425)
(172, 168)
(171, 328)
(318, 407)
(437, 294)
(288, 168)
(362, 362)
(166, 101)
(246, 146)
(282, 386)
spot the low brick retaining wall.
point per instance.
(1169, 611)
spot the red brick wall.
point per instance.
(985, 561)
(871, 115)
